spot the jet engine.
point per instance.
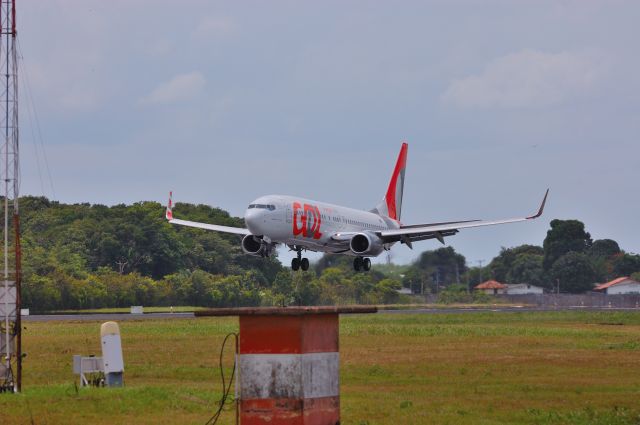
(366, 244)
(253, 245)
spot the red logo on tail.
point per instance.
(169, 212)
(393, 197)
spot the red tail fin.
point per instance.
(169, 211)
(391, 205)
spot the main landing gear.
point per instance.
(363, 264)
(299, 262)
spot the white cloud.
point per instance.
(180, 87)
(527, 78)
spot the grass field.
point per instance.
(474, 368)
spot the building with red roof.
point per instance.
(492, 287)
(621, 285)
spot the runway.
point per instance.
(104, 317)
(190, 315)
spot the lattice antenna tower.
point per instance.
(10, 341)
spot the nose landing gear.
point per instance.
(363, 264)
(299, 262)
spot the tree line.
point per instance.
(82, 256)
(568, 261)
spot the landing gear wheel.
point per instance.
(357, 264)
(304, 264)
(295, 264)
(366, 264)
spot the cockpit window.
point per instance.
(269, 207)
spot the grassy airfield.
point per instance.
(474, 368)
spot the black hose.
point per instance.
(226, 388)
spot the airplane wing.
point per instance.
(207, 226)
(419, 232)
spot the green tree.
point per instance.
(603, 253)
(574, 272)
(564, 236)
(416, 279)
(133, 238)
(363, 284)
(343, 262)
(476, 275)
(500, 267)
(443, 266)
(386, 290)
(232, 291)
(307, 289)
(178, 287)
(201, 293)
(95, 291)
(604, 248)
(449, 263)
(456, 293)
(283, 285)
(41, 294)
(337, 287)
(527, 268)
(625, 264)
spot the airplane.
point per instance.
(307, 225)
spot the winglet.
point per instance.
(544, 201)
(169, 213)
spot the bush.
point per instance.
(457, 294)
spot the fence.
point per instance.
(591, 299)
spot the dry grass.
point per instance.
(475, 368)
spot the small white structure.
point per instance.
(24, 312)
(112, 354)
(137, 309)
(523, 288)
(83, 365)
(621, 285)
(111, 362)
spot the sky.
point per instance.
(225, 101)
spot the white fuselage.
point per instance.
(313, 225)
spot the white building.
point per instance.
(523, 288)
(621, 285)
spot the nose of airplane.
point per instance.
(255, 219)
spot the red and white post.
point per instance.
(289, 364)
